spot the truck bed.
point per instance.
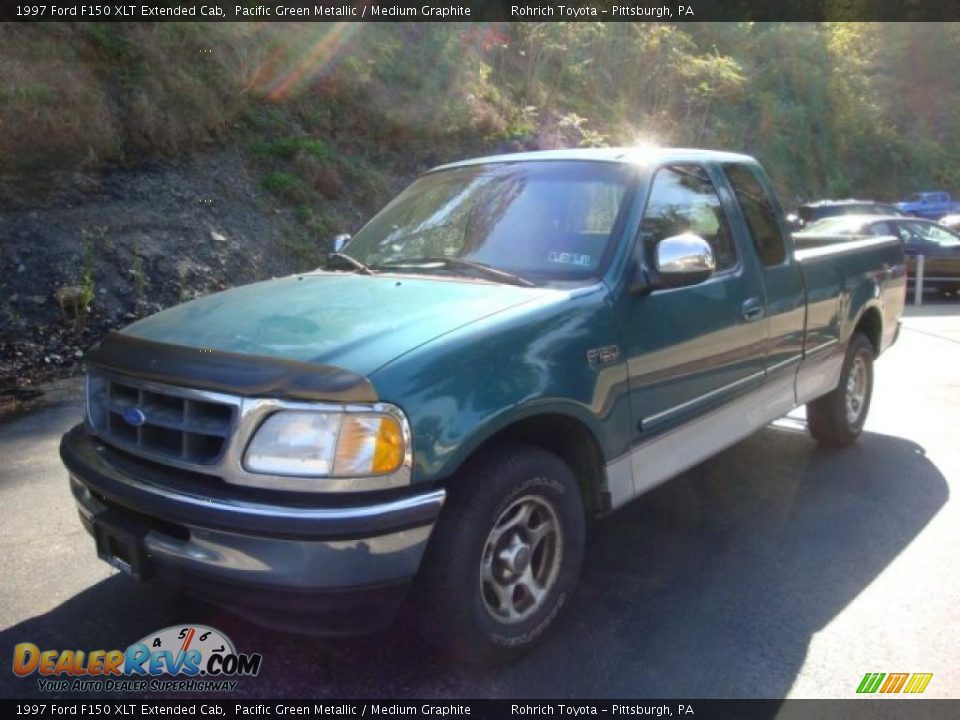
(841, 278)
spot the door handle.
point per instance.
(752, 310)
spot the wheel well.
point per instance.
(871, 325)
(567, 438)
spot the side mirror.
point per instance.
(339, 241)
(685, 259)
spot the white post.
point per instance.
(918, 282)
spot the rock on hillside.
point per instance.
(129, 241)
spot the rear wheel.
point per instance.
(837, 419)
(505, 555)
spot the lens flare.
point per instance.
(313, 61)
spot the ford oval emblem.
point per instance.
(134, 416)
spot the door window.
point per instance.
(881, 229)
(930, 233)
(683, 200)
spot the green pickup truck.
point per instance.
(512, 346)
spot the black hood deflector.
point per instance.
(227, 372)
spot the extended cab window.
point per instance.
(759, 212)
(683, 200)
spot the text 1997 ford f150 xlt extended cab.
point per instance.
(513, 345)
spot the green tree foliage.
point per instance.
(833, 109)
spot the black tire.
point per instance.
(829, 418)
(456, 606)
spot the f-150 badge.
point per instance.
(603, 355)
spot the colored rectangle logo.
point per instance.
(894, 683)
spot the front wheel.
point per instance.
(505, 555)
(837, 418)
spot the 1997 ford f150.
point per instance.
(511, 346)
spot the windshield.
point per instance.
(539, 220)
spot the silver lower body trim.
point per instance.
(620, 481)
(673, 452)
(667, 455)
(818, 376)
(663, 415)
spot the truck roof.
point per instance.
(637, 155)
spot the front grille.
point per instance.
(162, 423)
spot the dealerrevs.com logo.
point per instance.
(201, 659)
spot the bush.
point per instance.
(285, 185)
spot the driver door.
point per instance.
(692, 349)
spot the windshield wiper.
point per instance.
(353, 262)
(461, 264)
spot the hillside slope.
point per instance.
(136, 240)
(141, 164)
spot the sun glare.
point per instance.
(312, 62)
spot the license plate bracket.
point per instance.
(120, 543)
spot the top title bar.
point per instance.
(484, 10)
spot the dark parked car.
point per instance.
(939, 245)
(810, 213)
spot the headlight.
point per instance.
(327, 444)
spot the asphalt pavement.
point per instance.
(774, 570)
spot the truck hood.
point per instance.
(355, 322)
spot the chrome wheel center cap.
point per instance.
(515, 556)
